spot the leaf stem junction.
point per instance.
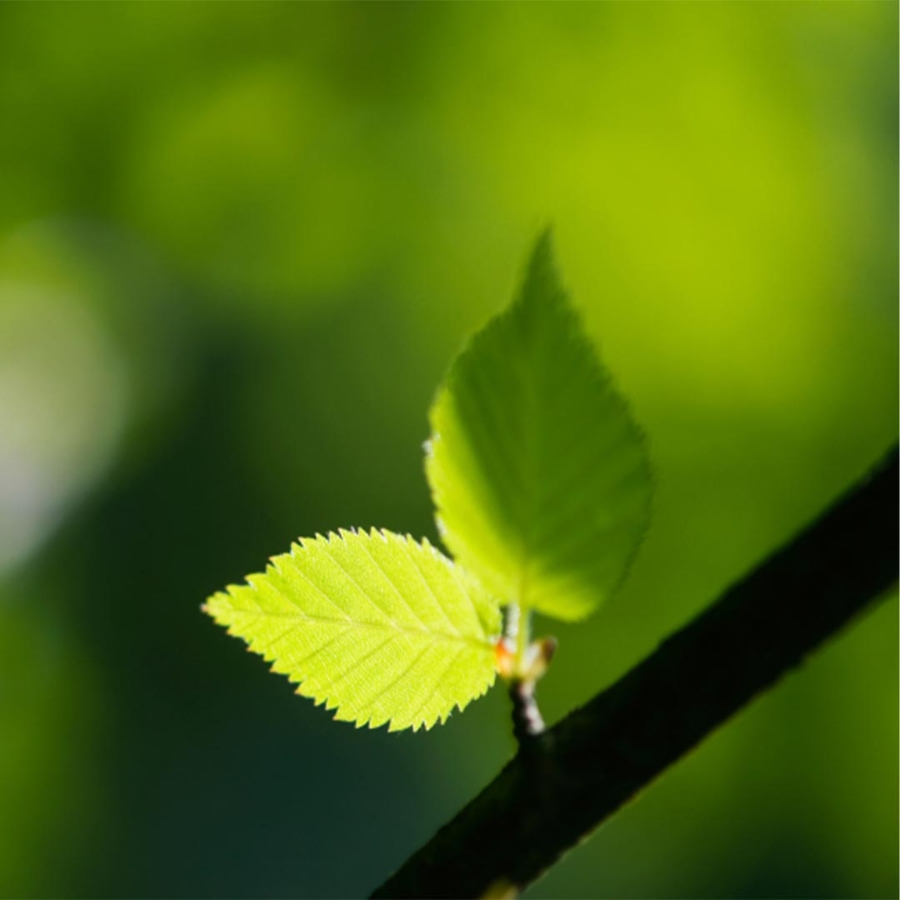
(521, 662)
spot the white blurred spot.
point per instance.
(62, 410)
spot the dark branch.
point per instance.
(589, 764)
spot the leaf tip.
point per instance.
(543, 254)
(541, 281)
(543, 244)
(213, 606)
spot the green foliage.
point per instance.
(538, 472)
(542, 490)
(376, 626)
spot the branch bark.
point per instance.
(589, 764)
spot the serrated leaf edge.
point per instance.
(460, 576)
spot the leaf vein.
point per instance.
(393, 627)
(366, 708)
(315, 587)
(435, 691)
(326, 546)
(430, 589)
(390, 581)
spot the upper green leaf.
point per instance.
(376, 626)
(538, 472)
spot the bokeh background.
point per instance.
(240, 244)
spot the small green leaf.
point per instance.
(538, 472)
(377, 626)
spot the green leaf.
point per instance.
(377, 626)
(538, 472)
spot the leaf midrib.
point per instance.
(531, 437)
(378, 626)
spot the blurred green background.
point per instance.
(239, 245)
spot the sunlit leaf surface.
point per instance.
(374, 625)
(538, 471)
